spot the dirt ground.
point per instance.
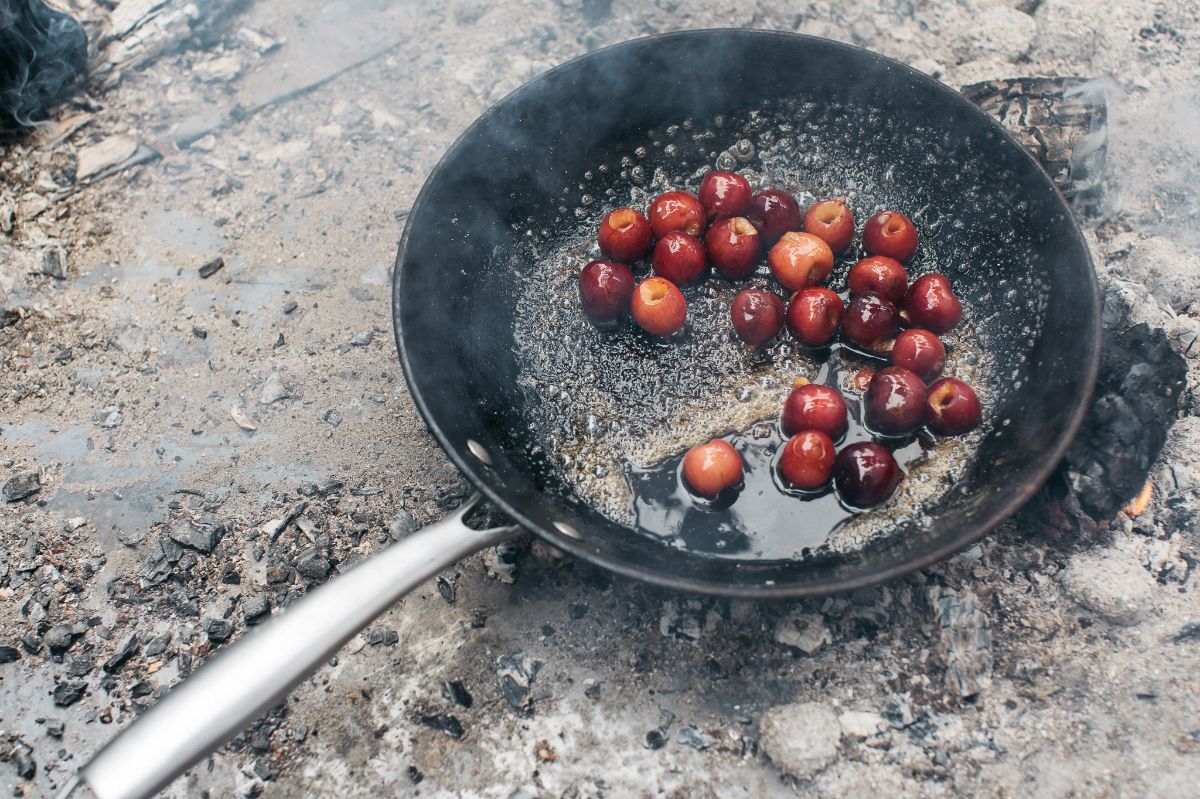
(172, 419)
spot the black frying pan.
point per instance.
(1003, 233)
(482, 301)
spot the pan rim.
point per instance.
(1021, 494)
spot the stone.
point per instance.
(106, 154)
(860, 724)
(516, 672)
(60, 637)
(313, 566)
(21, 485)
(362, 338)
(66, 694)
(966, 635)
(273, 390)
(256, 608)
(219, 630)
(804, 631)
(801, 738)
(54, 263)
(8, 654)
(1111, 584)
(200, 537)
(124, 653)
(403, 525)
(110, 417)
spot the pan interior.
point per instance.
(498, 353)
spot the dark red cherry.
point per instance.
(679, 257)
(604, 290)
(815, 407)
(813, 316)
(930, 303)
(879, 274)
(724, 194)
(865, 474)
(869, 320)
(773, 212)
(806, 460)
(890, 233)
(757, 315)
(625, 235)
(895, 401)
(951, 407)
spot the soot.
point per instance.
(43, 53)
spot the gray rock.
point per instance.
(804, 631)
(127, 650)
(256, 608)
(516, 672)
(362, 339)
(801, 739)
(1110, 584)
(313, 565)
(60, 637)
(273, 390)
(54, 263)
(8, 654)
(110, 417)
(21, 485)
(66, 694)
(403, 525)
(219, 630)
(198, 536)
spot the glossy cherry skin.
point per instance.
(679, 258)
(806, 460)
(625, 235)
(879, 274)
(919, 351)
(677, 210)
(658, 306)
(724, 194)
(832, 221)
(815, 407)
(733, 246)
(774, 212)
(800, 260)
(895, 401)
(813, 316)
(930, 303)
(757, 315)
(865, 474)
(952, 408)
(604, 290)
(709, 469)
(890, 233)
(869, 320)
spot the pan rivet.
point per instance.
(568, 530)
(478, 451)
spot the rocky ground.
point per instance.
(202, 416)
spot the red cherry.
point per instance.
(724, 194)
(709, 469)
(865, 474)
(732, 247)
(931, 303)
(921, 351)
(679, 257)
(604, 290)
(774, 213)
(813, 316)
(832, 221)
(879, 274)
(658, 306)
(815, 407)
(800, 260)
(895, 401)
(952, 408)
(869, 319)
(677, 210)
(625, 235)
(890, 233)
(757, 315)
(806, 460)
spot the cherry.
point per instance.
(869, 319)
(895, 401)
(679, 257)
(625, 235)
(733, 246)
(709, 469)
(800, 260)
(757, 315)
(813, 316)
(951, 407)
(604, 290)
(806, 460)
(815, 407)
(930, 303)
(832, 221)
(865, 474)
(921, 351)
(677, 210)
(890, 233)
(658, 306)
(724, 194)
(881, 275)
(774, 213)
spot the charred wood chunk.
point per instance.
(1061, 122)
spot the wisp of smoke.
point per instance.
(42, 54)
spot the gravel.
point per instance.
(801, 738)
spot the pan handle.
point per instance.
(242, 683)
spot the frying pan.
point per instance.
(485, 224)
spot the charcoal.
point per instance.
(21, 485)
(68, 693)
(516, 671)
(457, 693)
(128, 648)
(447, 724)
(8, 654)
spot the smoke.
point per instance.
(42, 53)
(1153, 159)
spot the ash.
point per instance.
(185, 450)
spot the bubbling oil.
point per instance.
(612, 410)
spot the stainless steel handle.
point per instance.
(240, 684)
